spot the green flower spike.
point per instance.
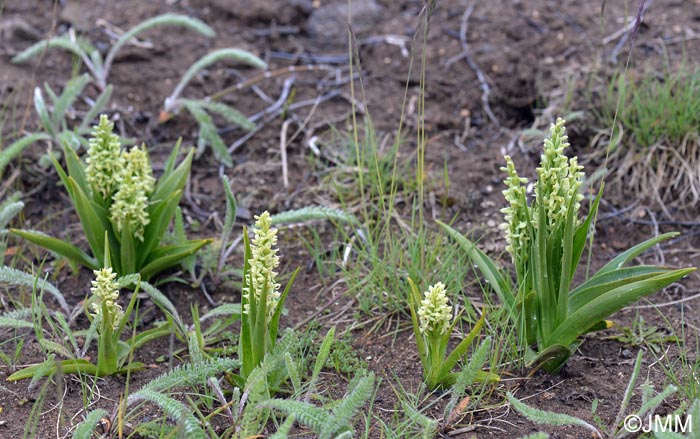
(558, 178)
(434, 313)
(106, 290)
(104, 161)
(130, 203)
(517, 214)
(264, 261)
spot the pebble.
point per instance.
(329, 23)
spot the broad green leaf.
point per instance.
(128, 250)
(603, 306)
(160, 214)
(582, 232)
(75, 366)
(461, 349)
(602, 283)
(625, 257)
(274, 320)
(57, 246)
(168, 256)
(174, 181)
(76, 170)
(92, 218)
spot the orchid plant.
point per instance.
(262, 301)
(433, 325)
(546, 238)
(109, 321)
(115, 195)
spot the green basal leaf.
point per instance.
(602, 283)
(127, 250)
(77, 47)
(625, 257)
(160, 213)
(57, 246)
(74, 366)
(604, 305)
(75, 169)
(169, 256)
(274, 320)
(93, 219)
(173, 181)
(461, 349)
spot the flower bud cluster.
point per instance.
(105, 289)
(263, 263)
(434, 312)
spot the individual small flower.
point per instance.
(106, 290)
(130, 202)
(434, 312)
(104, 161)
(264, 261)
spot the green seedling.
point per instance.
(115, 195)
(546, 240)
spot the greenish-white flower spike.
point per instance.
(434, 312)
(106, 290)
(130, 202)
(264, 261)
(558, 177)
(104, 161)
(517, 214)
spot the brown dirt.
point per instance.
(534, 55)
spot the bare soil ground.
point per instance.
(540, 59)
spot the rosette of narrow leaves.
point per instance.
(433, 325)
(116, 195)
(546, 240)
(261, 300)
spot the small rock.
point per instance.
(16, 28)
(329, 23)
(75, 14)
